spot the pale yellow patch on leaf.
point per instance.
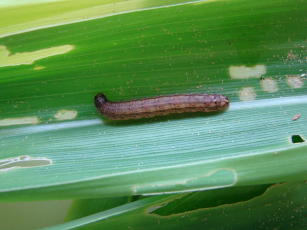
(39, 67)
(28, 58)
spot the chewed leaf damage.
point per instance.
(23, 161)
(28, 58)
(219, 178)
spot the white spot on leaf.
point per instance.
(295, 81)
(245, 72)
(291, 55)
(19, 121)
(269, 85)
(247, 94)
(66, 114)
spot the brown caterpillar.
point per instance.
(162, 105)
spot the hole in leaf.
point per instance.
(297, 139)
(211, 198)
(23, 161)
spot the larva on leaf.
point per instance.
(161, 105)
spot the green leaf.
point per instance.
(258, 207)
(86, 207)
(252, 52)
(27, 15)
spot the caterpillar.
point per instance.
(161, 105)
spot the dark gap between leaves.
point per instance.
(211, 198)
(297, 139)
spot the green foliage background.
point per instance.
(55, 56)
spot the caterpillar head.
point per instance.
(100, 99)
